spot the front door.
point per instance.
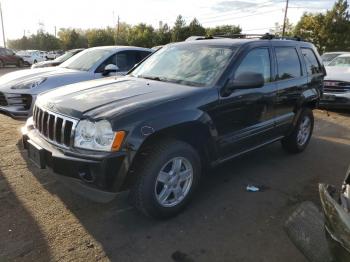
(245, 118)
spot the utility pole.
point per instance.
(118, 29)
(2, 24)
(285, 19)
(55, 31)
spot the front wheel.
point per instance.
(166, 179)
(299, 138)
(20, 63)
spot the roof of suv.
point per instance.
(238, 42)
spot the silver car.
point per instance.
(337, 83)
(18, 90)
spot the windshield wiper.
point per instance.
(156, 78)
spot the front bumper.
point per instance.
(337, 221)
(336, 100)
(98, 176)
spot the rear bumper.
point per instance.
(97, 176)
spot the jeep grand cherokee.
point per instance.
(189, 105)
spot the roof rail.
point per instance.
(266, 36)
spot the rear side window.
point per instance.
(313, 66)
(256, 61)
(288, 63)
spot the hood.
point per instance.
(108, 97)
(338, 73)
(13, 78)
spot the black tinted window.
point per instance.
(288, 63)
(313, 67)
(256, 61)
(126, 60)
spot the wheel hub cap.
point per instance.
(174, 182)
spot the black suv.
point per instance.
(189, 105)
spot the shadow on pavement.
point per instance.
(20, 237)
(224, 222)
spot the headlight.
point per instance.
(30, 84)
(97, 136)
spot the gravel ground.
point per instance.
(41, 220)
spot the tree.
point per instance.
(224, 30)
(142, 35)
(72, 38)
(100, 37)
(330, 31)
(179, 31)
(196, 29)
(278, 30)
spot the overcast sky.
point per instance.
(253, 16)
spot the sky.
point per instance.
(27, 16)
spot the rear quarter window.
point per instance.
(312, 64)
(288, 63)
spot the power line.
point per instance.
(234, 18)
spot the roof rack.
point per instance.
(266, 36)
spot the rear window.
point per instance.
(312, 64)
(288, 63)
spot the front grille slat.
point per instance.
(336, 87)
(56, 128)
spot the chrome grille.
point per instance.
(55, 128)
(3, 101)
(336, 87)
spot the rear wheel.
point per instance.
(166, 179)
(2, 65)
(299, 138)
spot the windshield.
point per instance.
(342, 61)
(65, 56)
(86, 59)
(193, 65)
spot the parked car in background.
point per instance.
(329, 56)
(31, 56)
(59, 60)
(18, 90)
(337, 83)
(8, 57)
(51, 55)
(189, 105)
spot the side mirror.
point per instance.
(246, 81)
(111, 68)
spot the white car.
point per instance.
(336, 91)
(18, 90)
(31, 57)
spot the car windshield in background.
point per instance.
(64, 57)
(85, 60)
(193, 65)
(329, 57)
(340, 61)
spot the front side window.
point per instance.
(194, 65)
(313, 67)
(256, 61)
(86, 59)
(288, 63)
(125, 60)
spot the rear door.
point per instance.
(291, 80)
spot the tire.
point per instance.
(153, 192)
(299, 138)
(34, 62)
(2, 65)
(20, 63)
